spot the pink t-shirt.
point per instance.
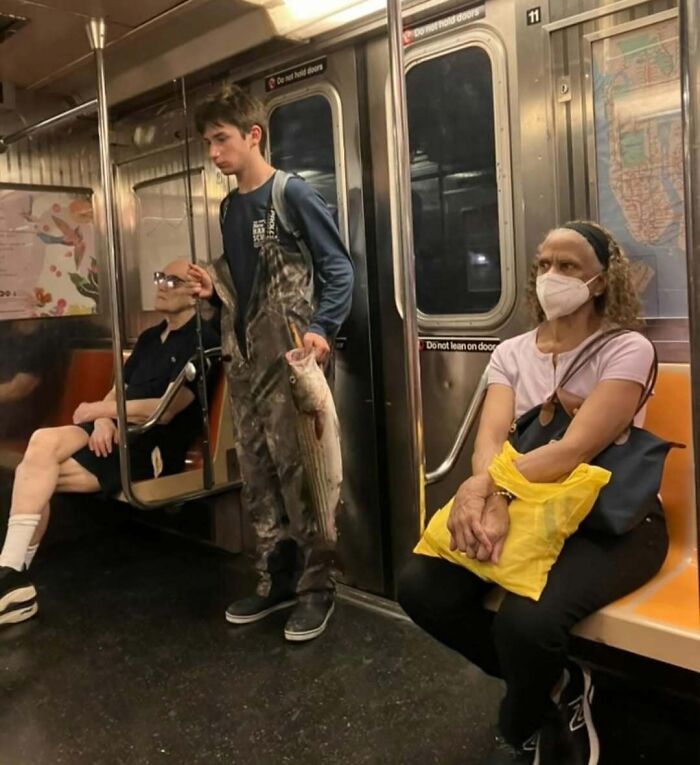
(532, 375)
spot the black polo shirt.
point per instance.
(151, 367)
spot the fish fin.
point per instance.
(319, 423)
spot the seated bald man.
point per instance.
(83, 458)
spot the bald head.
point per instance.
(174, 298)
(177, 268)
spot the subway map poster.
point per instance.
(639, 158)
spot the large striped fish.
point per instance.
(318, 432)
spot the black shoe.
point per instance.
(505, 754)
(17, 596)
(569, 736)
(257, 607)
(310, 618)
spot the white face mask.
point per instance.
(562, 295)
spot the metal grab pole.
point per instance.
(408, 282)
(690, 97)
(96, 35)
(208, 467)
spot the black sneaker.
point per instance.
(310, 618)
(17, 596)
(569, 737)
(505, 754)
(257, 607)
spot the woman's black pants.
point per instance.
(526, 642)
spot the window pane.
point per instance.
(639, 159)
(301, 141)
(162, 229)
(454, 190)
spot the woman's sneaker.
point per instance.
(17, 596)
(570, 736)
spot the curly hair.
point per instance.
(619, 305)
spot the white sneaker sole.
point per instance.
(20, 595)
(19, 614)
(593, 741)
(250, 618)
(301, 637)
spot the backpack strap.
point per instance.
(284, 217)
(279, 203)
(223, 209)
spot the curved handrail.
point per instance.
(464, 429)
(189, 373)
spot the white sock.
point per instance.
(29, 557)
(20, 530)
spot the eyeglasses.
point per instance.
(167, 280)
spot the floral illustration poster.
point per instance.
(48, 266)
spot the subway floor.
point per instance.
(130, 661)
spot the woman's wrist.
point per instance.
(500, 492)
(481, 483)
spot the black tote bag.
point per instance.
(636, 464)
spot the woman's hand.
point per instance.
(495, 521)
(464, 524)
(199, 282)
(103, 436)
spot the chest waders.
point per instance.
(276, 496)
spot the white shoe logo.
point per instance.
(578, 719)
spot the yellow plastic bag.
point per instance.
(542, 517)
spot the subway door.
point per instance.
(463, 234)
(312, 109)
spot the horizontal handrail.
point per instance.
(48, 122)
(468, 421)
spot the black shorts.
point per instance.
(106, 469)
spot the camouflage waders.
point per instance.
(275, 489)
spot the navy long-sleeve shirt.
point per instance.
(243, 231)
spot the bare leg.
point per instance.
(37, 476)
(47, 467)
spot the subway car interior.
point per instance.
(447, 137)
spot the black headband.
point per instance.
(598, 239)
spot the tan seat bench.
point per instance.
(192, 478)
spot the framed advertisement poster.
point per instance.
(48, 265)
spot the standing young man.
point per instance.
(285, 278)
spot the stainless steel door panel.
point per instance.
(360, 535)
(449, 379)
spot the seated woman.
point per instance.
(580, 287)
(82, 457)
